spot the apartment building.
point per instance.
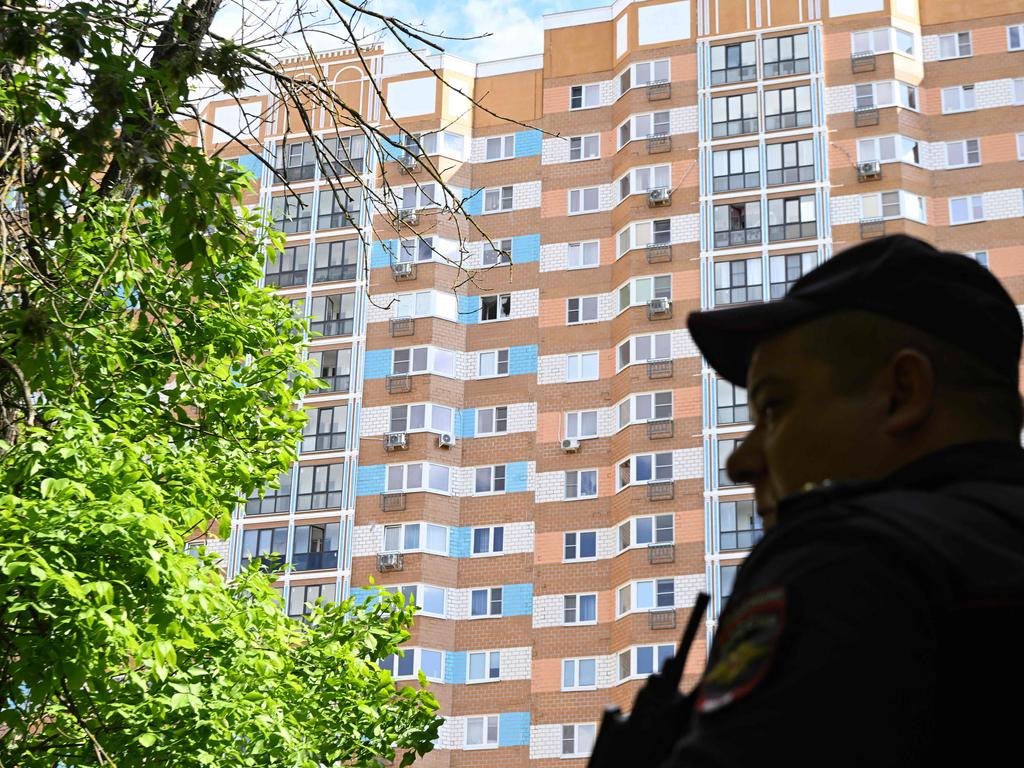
(516, 430)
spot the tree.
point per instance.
(147, 385)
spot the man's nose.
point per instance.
(746, 463)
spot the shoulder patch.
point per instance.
(744, 650)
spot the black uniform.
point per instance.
(877, 624)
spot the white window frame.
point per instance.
(429, 410)
(1019, 29)
(572, 667)
(488, 660)
(891, 44)
(574, 422)
(576, 598)
(965, 149)
(957, 39)
(582, 735)
(501, 199)
(903, 149)
(424, 528)
(634, 79)
(428, 303)
(577, 545)
(633, 285)
(632, 524)
(585, 305)
(490, 603)
(586, 250)
(960, 92)
(889, 93)
(580, 359)
(498, 363)
(590, 96)
(580, 196)
(632, 407)
(637, 237)
(979, 256)
(633, 341)
(579, 484)
(591, 141)
(659, 649)
(655, 467)
(487, 724)
(416, 593)
(495, 475)
(633, 183)
(490, 551)
(1018, 91)
(425, 472)
(661, 118)
(413, 250)
(493, 410)
(632, 590)
(972, 209)
(503, 255)
(431, 362)
(506, 147)
(417, 664)
(501, 313)
(1020, 146)
(421, 199)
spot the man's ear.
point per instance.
(909, 381)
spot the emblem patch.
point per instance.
(744, 650)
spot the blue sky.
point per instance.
(512, 27)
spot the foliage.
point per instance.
(146, 385)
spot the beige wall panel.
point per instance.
(947, 11)
(516, 96)
(579, 50)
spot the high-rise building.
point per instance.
(516, 430)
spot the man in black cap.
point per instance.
(880, 620)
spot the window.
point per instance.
(725, 449)
(643, 233)
(791, 218)
(490, 479)
(423, 360)
(1020, 146)
(885, 40)
(316, 547)
(1015, 37)
(789, 162)
(644, 73)
(643, 660)
(489, 540)
(334, 366)
(579, 609)
(426, 304)
(738, 281)
(964, 210)
(735, 63)
(499, 147)
(266, 545)
(336, 260)
(581, 367)
(296, 161)
(499, 199)
(893, 205)
(483, 666)
(414, 197)
(584, 200)
(644, 126)
(585, 147)
(326, 429)
(319, 486)
(418, 477)
(889, 149)
(787, 108)
(581, 310)
(642, 531)
(786, 269)
(642, 180)
(583, 255)
(645, 468)
(648, 406)
(732, 403)
(585, 96)
(503, 254)
(270, 501)
(733, 115)
(737, 224)
(419, 417)
(889, 93)
(413, 249)
(739, 526)
(640, 349)
(959, 98)
(579, 674)
(965, 152)
(955, 46)
(736, 169)
(495, 307)
(347, 153)
(580, 425)
(481, 732)
(1018, 91)
(413, 537)
(580, 545)
(646, 595)
(726, 580)
(430, 600)
(407, 665)
(292, 213)
(578, 740)
(786, 56)
(979, 256)
(332, 315)
(492, 421)
(438, 142)
(492, 363)
(303, 598)
(485, 602)
(287, 268)
(581, 484)
(339, 208)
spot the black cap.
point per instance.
(946, 295)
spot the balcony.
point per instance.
(734, 128)
(659, 369)
(340, 326)
(659, 429)
(339, 383)
(392, 502)
(736, 181)
(659, 252)
(799, 230)
(787, 67)
(402, 326)
(659, 554)
(659, 90)
(398, 382)
(658, 143)
(733, 237)
(863, 62)
(661, 618)
(661, 490)
(335, 273)
(870, 228)
(796, 174)
(315, 561)
(865, 116)
(733, 75)
(295, 173)
(285, 279)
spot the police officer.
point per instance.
(880, 621)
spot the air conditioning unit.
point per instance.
(658, 305)
(445, 440)
(407, 161)
(869, 169)
(389, 560)
(659, 196)
(409, 216)
(570, 445)
(402, 269)
(396, 441)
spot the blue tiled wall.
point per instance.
(528, 143)
(380, 254)
(370, 480)
(377, 363)
(517, 600)
(465, 423)
(455, 668)
(459, 542)
(514, 729)
(515, 477)
(469, 309)
(522, 359)
(525, 248)
(473, 201)
(251, 163)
